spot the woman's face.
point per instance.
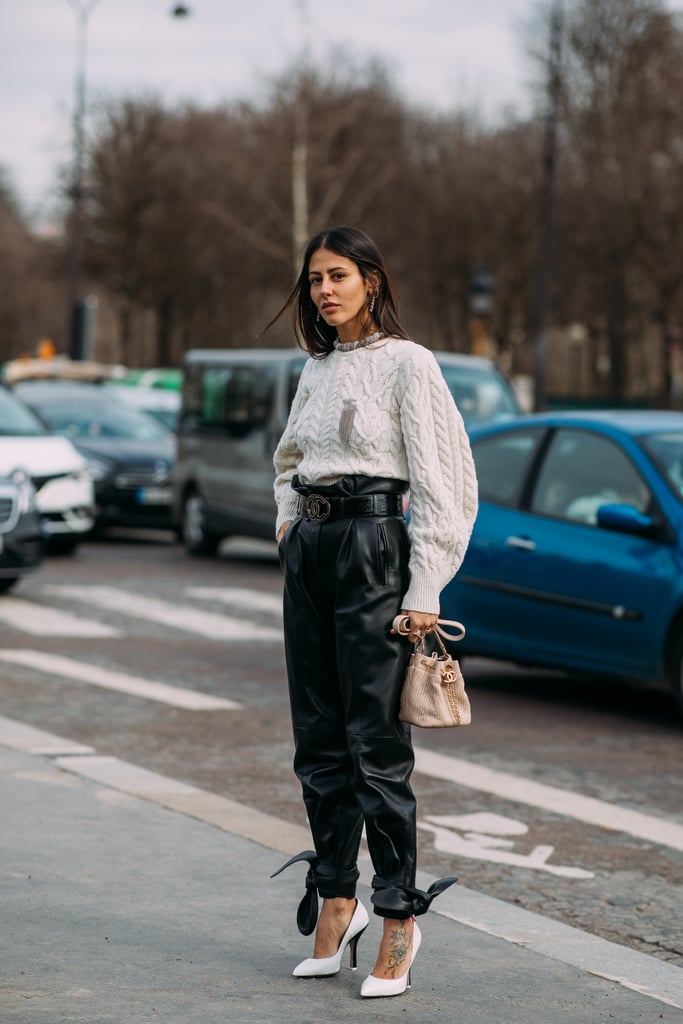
(340, 292)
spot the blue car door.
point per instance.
(474, 597)
(571, 590)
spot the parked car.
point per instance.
(234, 408)
(162, 404)
(64, 488)
(482, 393)
(576, 559)
(21, 530)
(129, 455)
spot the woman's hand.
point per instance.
(419, 624)
(283, 530)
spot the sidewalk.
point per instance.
(116, 910)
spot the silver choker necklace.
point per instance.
(351, 346)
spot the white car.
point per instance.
(64, 488)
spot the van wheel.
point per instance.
(199, 540)
(676, 670)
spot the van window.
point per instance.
(232, 399)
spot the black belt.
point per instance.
(319, 509)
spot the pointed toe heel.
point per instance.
(378, 988)
(323, 967)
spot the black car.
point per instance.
(21, 530)
(129, 455)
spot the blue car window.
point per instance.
(502, 464)
(667, 451)
(583, 471)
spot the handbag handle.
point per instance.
(402, 622)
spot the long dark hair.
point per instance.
(312, 333)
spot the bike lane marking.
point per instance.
(562, 802)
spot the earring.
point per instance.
(317, 317)
(372, 303)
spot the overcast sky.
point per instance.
(441, 53)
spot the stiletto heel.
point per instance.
(323, 967)
(353, 950)
(373, 987)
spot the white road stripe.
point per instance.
(177, 616)
(550, 798)
(39, 620)
(240, 597)
(95, 675)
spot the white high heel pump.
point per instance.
(373, 988)
(322, 967)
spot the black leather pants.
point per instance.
(344, 580)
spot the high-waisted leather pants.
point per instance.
(344, 581)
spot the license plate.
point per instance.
(153, 496)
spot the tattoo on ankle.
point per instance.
(398, 952)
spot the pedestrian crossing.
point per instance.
(39, 619)
(122, 682)
(96, 611)
(92, 612)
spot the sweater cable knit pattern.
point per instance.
(405, 426)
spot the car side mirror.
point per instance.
(625, 519)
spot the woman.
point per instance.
(372, 416)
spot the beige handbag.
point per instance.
(433, 695)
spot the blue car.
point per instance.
(576, 559)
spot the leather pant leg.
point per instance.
(344, 581)
(322, 761)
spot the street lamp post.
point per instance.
(79, 312)
(548, 203)
(77, 327)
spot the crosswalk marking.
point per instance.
(550, 798)
(177, 616)
(96, 675)
(240, 597)
(41, 620)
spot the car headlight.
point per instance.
(98, 468)
(27, 491)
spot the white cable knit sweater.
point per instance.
(385, 410)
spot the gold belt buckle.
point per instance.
(317, 508)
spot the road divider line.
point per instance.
(176, 616)
(240, 597)
(40, 620)
(550, 798)
(109, 679)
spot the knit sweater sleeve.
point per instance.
(443, 484)
(288, 456)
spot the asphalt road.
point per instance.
(564, 796)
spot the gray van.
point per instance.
(234, 407)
